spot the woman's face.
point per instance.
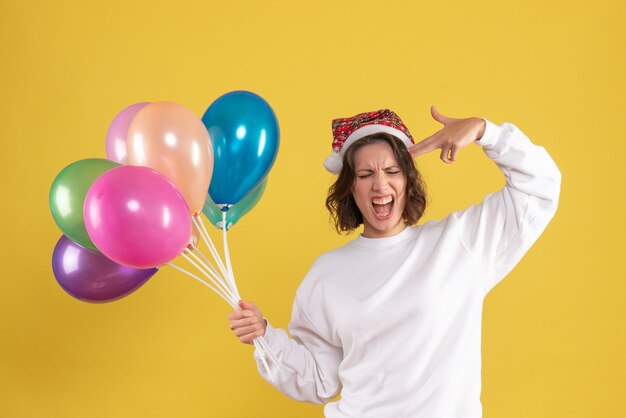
(379, 190)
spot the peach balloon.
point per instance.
(171, 139)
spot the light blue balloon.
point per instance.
(245, 135)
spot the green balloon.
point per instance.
(67, 197)
(234, 212)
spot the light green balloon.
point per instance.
(235, 212)
(67, 197)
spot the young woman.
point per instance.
(392, 320)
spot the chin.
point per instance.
(376, 228)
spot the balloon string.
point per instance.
(258, 340)
(226, 252)
(206, 264)
(216, 279)
(262, 354)
(200, 225)
(215, 272)
(265, 348)
(262, 350)
(229, 267)
(227, 293)
(182, 270)
(206, 260)
(197, 220)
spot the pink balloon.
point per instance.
(137, 217)
(116, 135)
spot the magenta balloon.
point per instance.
(116, 135)
(137, 217)
(91, 277)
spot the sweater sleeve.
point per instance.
(500, 230)
(309, 362)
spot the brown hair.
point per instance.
(340, 202)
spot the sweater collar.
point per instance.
(377, 243)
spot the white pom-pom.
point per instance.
(333, 163)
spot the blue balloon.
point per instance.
(245, 135)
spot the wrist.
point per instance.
(482, 126)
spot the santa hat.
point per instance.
(347, 131)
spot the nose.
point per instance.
(380, 182)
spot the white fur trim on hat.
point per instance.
(333, 163)
(374, 129)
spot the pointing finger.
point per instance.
(439, 117)
(424, 146)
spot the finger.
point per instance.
(238, 323)
(438, 116)
(247, 330)
(235, 315)
(240, 314)
(250, 337)
(444, 154)
(424, 146)
(247, 305)
(453, 152)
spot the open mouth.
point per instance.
(383, 206)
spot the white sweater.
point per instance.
(394, 324)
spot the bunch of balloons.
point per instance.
(126, 216)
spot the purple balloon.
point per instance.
(116, 135)
(137, 217)
(91, 277)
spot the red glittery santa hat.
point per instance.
(348, 130)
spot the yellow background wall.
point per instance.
(553, 338)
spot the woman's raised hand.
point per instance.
(455, 134)
(247, 323)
